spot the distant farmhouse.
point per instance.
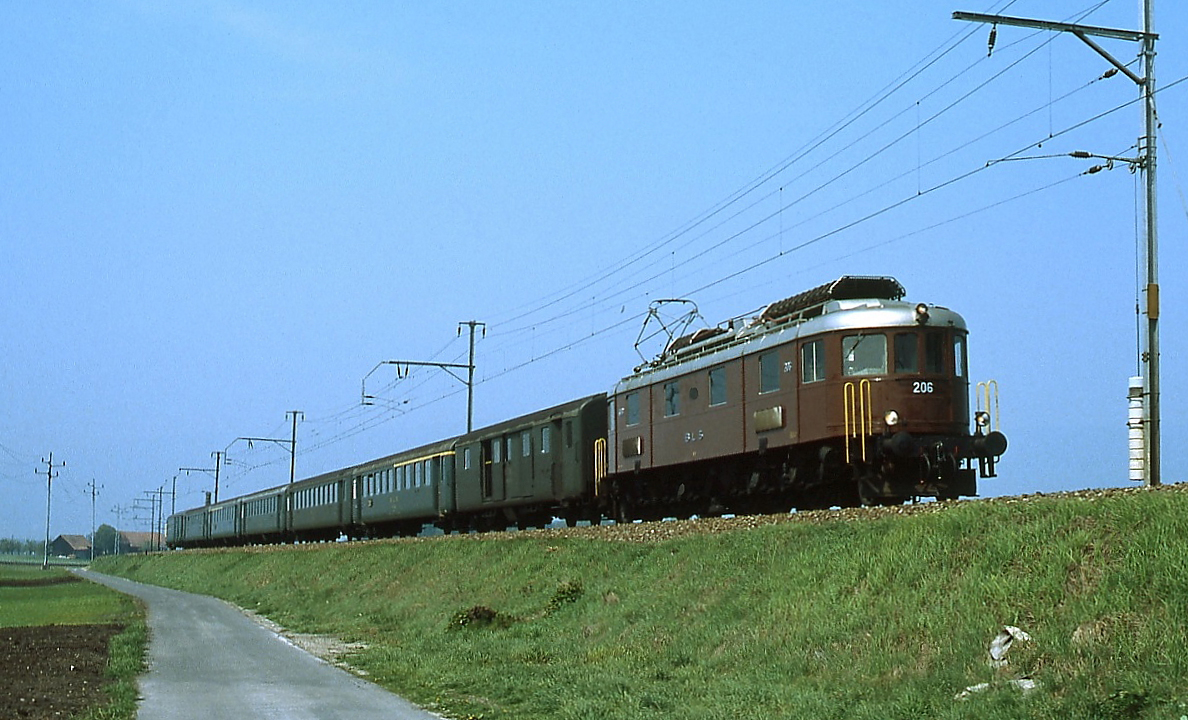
(124, 543)
(138, 542)
(71, 546)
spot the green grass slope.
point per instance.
(886, 615)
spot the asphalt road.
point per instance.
(207, 660)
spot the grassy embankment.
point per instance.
(886, 617)
(81, 603)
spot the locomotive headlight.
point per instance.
(891, 417)
(921, 313)
(982, 418)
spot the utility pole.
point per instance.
(156, 500)
(119, 511)
(218, 456)
(1146, 163)
(94, 494)
(138, 506)
(49, 481)
(292, 443)
(470, 368)
(448, 367)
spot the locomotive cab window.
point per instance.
(934, 353)
(812, 361)
(959, 366)
(907, 353)
(769, 372)
(864, 355)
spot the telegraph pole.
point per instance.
(292, 443)
(156, 500)
(49, 481)
(218, 456)
(470, 368)
(94, 494)
(119, 513)
(448, 367)
(1146, 163)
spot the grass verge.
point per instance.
(886, 617)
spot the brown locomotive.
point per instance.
(841, 395)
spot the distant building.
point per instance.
(71, 546)
(138, 542)
(79, 546)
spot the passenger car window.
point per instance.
(769, 372)
(717, 386)
(812, 361)
(864, 355)
(907, 353)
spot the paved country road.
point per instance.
(209, 661)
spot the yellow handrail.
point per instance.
(859, 414)
(600, 460)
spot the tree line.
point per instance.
(12, 546)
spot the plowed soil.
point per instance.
(53, 671)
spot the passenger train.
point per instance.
(842, 395)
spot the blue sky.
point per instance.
(212, 213)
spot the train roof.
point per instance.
(568, 408)
(848, 303)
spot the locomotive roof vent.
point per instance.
(849, 287)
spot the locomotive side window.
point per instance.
(907, 353)
(466, 458)
(497, 451)
(812, 361)
(546, 440)
(717, 386)
(769, 372)
(672, 398)
(526, 442)
(864, 355)
(934, 352)
(633, 408)
(959, 367)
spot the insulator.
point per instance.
(993, 37)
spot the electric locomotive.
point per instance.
(841, 395)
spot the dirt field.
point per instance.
(53, 671)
